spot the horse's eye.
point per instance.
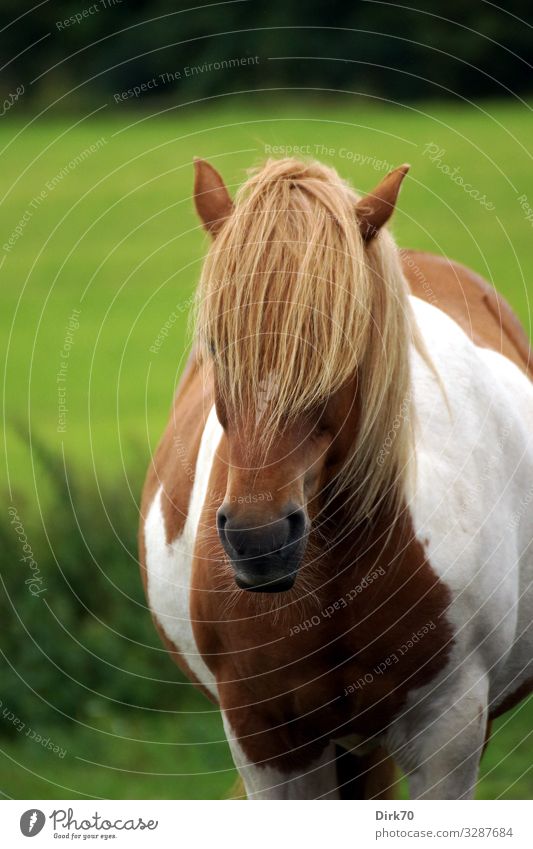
(318, 414)
(212, 349)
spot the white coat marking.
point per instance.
(474, 468)
(474, 465)
(169, 566)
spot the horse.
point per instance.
(335, 535)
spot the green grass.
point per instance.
(117, 239)
(184, 756)
(175, 757)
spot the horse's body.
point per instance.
(406, 637)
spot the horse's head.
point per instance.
(301, 311)
(275, 487)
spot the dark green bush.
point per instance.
(80, 636)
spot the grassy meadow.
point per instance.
(100, 251)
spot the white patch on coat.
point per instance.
(169, 566)
(474, 467)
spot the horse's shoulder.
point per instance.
(482, 313)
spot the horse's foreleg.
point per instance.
(439, 739)
(266, 780)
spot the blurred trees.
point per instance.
(380, 48)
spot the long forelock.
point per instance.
(293, 306)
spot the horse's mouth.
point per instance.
(257, 583)
(279, 586)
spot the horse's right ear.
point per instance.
(374, 210)
(211, 197)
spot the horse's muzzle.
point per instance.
(265, 556)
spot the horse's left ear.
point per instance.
(211, 197)
(375, 209)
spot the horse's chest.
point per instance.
(314, 696)
(343, 674)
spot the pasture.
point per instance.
(99, 256)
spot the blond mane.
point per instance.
(291, 298)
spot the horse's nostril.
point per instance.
(297, 524)
(239, 544)
(222, 520)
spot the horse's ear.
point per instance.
(375, 209)
(211, 198)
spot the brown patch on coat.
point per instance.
(474, 304)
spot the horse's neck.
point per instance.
(349, 553)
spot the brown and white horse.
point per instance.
(336, 535)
